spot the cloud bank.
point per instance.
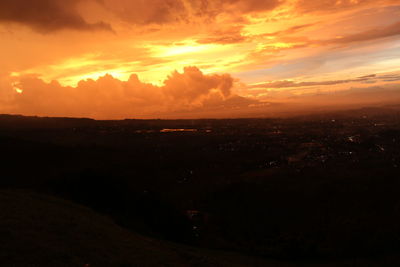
(367, 79)
(109, 97)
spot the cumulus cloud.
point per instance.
(192, 84)
(47, 15)
(111, 98)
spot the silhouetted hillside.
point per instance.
(311, 189)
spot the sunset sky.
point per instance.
(154, 58)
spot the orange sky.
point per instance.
(155, 58)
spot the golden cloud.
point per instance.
(109, 97)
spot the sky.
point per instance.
(110, 59)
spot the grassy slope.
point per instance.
(37, 230)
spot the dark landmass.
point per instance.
(312, 190)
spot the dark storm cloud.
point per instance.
(171, 11)
(47, 15)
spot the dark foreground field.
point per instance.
(318, 190)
